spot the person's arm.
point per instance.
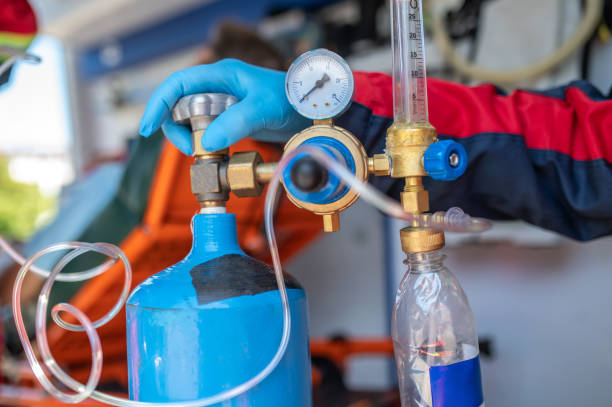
(541, 157)
(544, 157)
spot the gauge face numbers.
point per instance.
(320, 85)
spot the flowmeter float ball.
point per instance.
(320, 84)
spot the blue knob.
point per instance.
(445, 160)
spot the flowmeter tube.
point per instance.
(409, 71)
(412, 143)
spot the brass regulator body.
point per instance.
(406, 145)
(320, 85)
(364, 166)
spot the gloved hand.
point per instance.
(263, 110)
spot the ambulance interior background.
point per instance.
(69, 137)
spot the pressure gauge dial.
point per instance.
(320, 84)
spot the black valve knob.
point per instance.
(308, 175)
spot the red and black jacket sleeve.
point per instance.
(544, 157)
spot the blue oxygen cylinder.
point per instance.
(213, 321)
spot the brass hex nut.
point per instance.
(241, 174)
(379, 165)
(415, 201)
(208, 179)
(205, 177)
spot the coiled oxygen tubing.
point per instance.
(453, 220)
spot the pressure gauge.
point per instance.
(320, 84)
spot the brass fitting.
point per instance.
(209, 179)
(415, 202)
(212, 204)
(213, 176)
(331, 222)
(264, 172)
(420, 240)
(241, 174)
(414, 197)
(406, 144)
(209, 170)
(379, 165)
(331, 211)
(208, 173)
(199, 151)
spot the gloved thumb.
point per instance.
(237, 122)
(177, 134)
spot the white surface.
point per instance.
(104, 125)
(600, 73)
(34, 104)
(343, 274)
(83, 22)
(545, 311)
(515, 233)
(516, 33)
(34, 114)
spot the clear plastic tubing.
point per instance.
(34, 59)
(453, 220)
(409, 71)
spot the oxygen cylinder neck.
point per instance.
(214, 233)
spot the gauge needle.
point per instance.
(318, 85)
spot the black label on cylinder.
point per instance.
(234, 275)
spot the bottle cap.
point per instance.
(420, 240)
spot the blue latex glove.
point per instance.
(263, 110)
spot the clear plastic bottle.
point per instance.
(435, 339)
